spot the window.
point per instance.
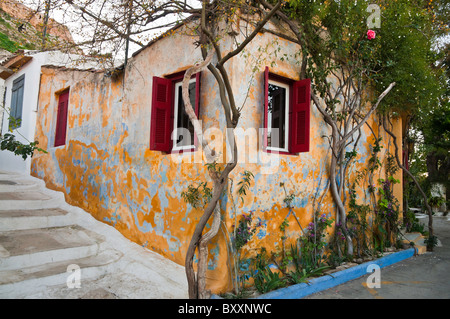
(61, 119)
(278, 117)
(183, 133)
(17, 102)
(171, 129)
(287, 114)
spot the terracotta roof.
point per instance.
(13, 63)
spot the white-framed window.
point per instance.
(170, 127)
(17, 94)
(278, 116)
(183, 130)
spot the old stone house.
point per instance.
(110, 150)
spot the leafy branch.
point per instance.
(8, 142)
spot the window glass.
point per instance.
(61, 120)
(183, 128)
(278, 110)
(17, 102)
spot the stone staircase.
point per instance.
(41, 236)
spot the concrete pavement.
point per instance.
(49, 249)
(425, 276)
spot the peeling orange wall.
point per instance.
(107, 169)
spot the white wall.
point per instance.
(26, 133)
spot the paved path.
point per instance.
(49, 248)
(425, 276)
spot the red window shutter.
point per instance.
(61, 120)
(161, 118)
(266, 105)
(300, 116)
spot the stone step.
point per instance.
(33, 247)
(412, 236)
(18, 192)
(26, 199)
(22, 219)
(16, 184)
(19, 283)
(418, 241)
(41, 235)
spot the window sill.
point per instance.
(188, 150)
(279, 152)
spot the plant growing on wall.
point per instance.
(302, 260)
(358, 224)
(243, 233)
(314, 242)
(243, 230)
(9, 143)
(386, 216)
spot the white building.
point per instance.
(3, 56)
(21, 98)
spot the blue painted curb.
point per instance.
(337, 278)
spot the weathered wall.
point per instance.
(32, 71)
(305, 174)
(106, 166)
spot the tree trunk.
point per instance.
(45, 23)
(203, 254)
(218, 185)
(196, 237)
(338, 146)
(336, 195)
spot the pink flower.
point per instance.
(371, 34)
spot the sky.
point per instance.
(66, 15)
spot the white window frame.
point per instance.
(175, 119)
(269, 118)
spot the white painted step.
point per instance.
(30, 199)
(17, 184)
(24, 282)
(32, 247)
(412, 237)
(22, 219)
(128, 270)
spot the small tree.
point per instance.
(354, 68)
(340, 56)
(213, 17)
